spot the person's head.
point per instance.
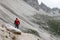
(16, 18)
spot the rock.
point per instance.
(33, 3)
(8, 35)
(12, 29)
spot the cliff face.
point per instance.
(56, 10)
(48, 9)
(9, 10)
(44, 7)
(33, 3)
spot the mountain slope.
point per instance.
(52, 11)
(45, 8)
(10, 9)
(8, 32)
(9, 12)
(33, 3)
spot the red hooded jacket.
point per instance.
(17, 22)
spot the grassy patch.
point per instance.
(32, 32)
(54, 27)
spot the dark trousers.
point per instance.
(17, 26)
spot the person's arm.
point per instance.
(19, 22)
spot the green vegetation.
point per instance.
(33, 32)
(54, 27)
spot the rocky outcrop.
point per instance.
(33, 3)
(56, 9)
(10, 35)
(44, 7)
(48, 9)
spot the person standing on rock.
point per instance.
(16, 22)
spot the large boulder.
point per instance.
(12, 29)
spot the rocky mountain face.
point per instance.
(11, 33)
(49, 10)
(56, 9)
(44, 7)
(12, 9)
(33, 3)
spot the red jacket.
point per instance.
(17, 22)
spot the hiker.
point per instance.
(16, 22)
